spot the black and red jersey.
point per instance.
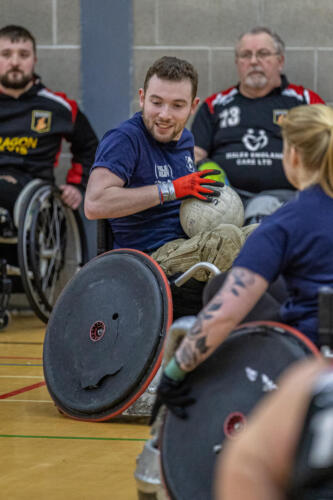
(243, 134)
(32, 127)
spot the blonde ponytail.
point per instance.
(310, 130)
(325, 177)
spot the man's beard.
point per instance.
(256, 79)
(17, 84)
(168, 137)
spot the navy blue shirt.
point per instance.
(297, 242)
(131, 153)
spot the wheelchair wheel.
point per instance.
(104, 341)
(51, 247)
(227, 386)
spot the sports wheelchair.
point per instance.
(103, 360)
(102, 357)
(41, 249)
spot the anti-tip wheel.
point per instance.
(5, 320)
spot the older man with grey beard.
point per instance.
(238, 128)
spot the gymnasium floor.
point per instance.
(45, 455)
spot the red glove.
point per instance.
(191, 185)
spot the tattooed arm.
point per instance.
(240, 292)
(242, 289)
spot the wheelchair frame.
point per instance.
(51, 248)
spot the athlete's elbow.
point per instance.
(91, 209)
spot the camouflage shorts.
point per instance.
(219, 246)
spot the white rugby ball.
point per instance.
(197, 215)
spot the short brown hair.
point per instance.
(174, 69)
(309, 128)
(16, 33)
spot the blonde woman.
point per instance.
(295, 242)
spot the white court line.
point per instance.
(22, 376)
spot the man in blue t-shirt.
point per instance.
(144, 167)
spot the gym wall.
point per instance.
(98, 51)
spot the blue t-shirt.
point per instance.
(131, 153)
(297, 242)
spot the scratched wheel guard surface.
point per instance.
(227, 386)
(104, 339)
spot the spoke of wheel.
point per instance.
(55, 261)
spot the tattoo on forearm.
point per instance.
(201, 345)
(241, 278)
(197, 327)
(204, 315)
(211, 308)
(187, 357)
(194, 348)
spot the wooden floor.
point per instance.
(44, 455)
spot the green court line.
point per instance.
(19, 364)
(70, 437)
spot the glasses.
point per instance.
(260, 55)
